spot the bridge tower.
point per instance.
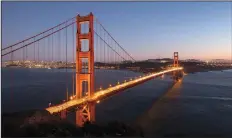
(175, 59)
(176, 74)
(83, 75)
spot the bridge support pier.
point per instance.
(85, 113)
(63, 114)
(177, 75)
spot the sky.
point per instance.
(199, 30)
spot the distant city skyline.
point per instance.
(147, 30)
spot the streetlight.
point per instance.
(49, 104)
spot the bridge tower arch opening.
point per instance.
(85, 67)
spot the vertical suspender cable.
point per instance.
(97, 59)
(34, 49)
(73, 58)
(100, 48)
(44, 49)
(104, 51)
(12, 76)
(48, 56)
(59, 41)
(100, 52)
(11, 58)
(52, 45)
(26, 52)
(108, 50)
(66, 45)
(23, 53)
(231, 32)
(38, 51)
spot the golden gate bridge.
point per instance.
(85, 43)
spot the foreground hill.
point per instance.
(42, 124)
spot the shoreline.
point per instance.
(187, 69)
(192, 71)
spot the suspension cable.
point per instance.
(113, 38)
(38, 34)
(52, 46)
(73, 57)
(66, 45)
(109, 45)
(38, 39)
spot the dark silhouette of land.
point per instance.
(142, 66)
(189, 67)
(42, 124)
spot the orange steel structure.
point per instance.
(101, 94)
(87, 112)
(175, 60)
(63, 114)
(175, 64)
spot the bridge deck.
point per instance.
(99, 94)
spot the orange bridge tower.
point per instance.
(175, 59)
(85, 75)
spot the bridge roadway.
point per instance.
(102, 93)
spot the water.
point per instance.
(199, 105)
(25, 89)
